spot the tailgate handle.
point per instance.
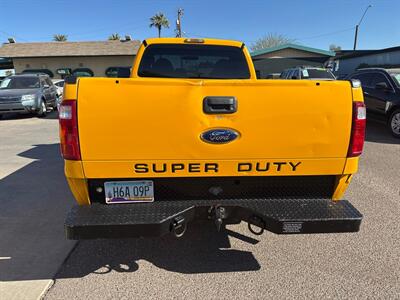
(219, 105)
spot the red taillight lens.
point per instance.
(357, 129)
(69, 130)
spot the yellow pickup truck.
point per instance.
(193, 134)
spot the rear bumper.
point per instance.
(163, 217)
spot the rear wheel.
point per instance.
(43, 110)
(394, 123)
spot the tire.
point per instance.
(43, 110)
(394, 123)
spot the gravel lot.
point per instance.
(233, 264)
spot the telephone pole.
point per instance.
(358, 25)
(178, 23)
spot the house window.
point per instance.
(118, 71)
(83, 72)
(64, 72)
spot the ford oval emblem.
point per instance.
(219, 136)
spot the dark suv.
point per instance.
(381, 89)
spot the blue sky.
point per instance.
(311, 22)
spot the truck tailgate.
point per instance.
(127, 121)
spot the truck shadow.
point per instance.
(34, 201)
(377, 132)
(13, 116)
(201, 250)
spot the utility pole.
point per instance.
(358, 25)
(178, 23)
(355, 38)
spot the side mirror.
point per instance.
(46, 86)
(381, 86)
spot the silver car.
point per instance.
(27, 93)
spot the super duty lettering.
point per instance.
(214, 167)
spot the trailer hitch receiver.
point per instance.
(218, 214)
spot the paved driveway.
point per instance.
(34, 198)
(203, 264)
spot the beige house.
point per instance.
(59, 58)
(272, 61)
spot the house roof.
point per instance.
(99, 48)
(341, 53)
(292, 46)
(358, 53)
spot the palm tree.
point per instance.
(159, 20)
(114, 37)
(60, 38)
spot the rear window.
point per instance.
(83, 72)
(317, 74)
(193, 61)
(396, 78)
(365, 78)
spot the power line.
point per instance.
(326, 34)
(80, 34)
(107, 29)
(298, 39)
(9, 35)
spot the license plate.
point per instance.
(129, 191)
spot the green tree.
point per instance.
(333, 47)
(270, 40)
(60, 38)
(114, 37)
(158, 21)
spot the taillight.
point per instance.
(357, 129)
(69, 130)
